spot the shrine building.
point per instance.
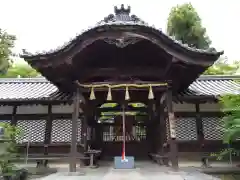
(121, 67)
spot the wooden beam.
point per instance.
(75, 114)
(67, 116)
(122, 72)
(34, 116)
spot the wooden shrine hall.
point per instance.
(120, 67)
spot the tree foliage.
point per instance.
(10, 150)
(222, 67)
(185, 25)
(231, 126)
(6, 44)
(20, 70)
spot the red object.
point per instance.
(123, 152)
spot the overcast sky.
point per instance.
(46, 24)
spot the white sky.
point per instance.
(46, 24)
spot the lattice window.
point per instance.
(139, 133)
(114, 133)
(5, 121)
(212, 128)
(108, 133)
(186, 129)
(167, 128)
(79, 135)
(32, 130)
(62, 131)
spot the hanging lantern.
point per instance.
(92, 94)
(127, 96)
(109, 95)
(150, 94)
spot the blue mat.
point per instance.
(120, 164)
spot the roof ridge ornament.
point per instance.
(122, 10)
(122, 14)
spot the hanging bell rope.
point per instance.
(92, 94)
(127, 86)
(127, 96)
(150, 94)
(109, 95)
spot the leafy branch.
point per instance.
(10, 151)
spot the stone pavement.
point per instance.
(131, 175)
(143, 171)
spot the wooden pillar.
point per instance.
(91, 123)
(84, 123)
(75, 114)
(199, 125)
(48, 129)
(162, 119)
(88, 112)
(85, 127)
(94, 127)
(98, 130)
(172, 127)
(150, 131)
(13, 119)
(99, 136)
(156, 128)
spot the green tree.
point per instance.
(20, 70)
(185, 25)
(9, 150)
(6, 44)
(222, 67)
(231, 108)
(231, 126)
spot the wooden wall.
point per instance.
(33, 118)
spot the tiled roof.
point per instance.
(215, 86)
(25, 89)
(13, 89)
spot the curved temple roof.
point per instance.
(177, 62)
(120, 20)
